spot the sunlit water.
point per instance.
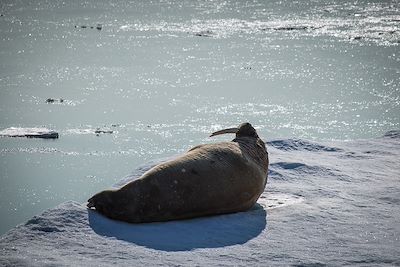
(163, 75)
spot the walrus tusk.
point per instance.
(225, 131)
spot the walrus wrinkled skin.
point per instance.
(209, 179)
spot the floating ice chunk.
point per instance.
(54, 100)
(100, 131)
(29, 132)
(96, 131)
(206, 33)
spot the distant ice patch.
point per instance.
(29, 132)
(96, 131)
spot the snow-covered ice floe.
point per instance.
(29, 132)
(326, 203)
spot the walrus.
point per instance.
(209, 179)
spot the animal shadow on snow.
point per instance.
(205, 232)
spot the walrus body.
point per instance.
(208, 179)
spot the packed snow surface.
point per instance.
(332, 203)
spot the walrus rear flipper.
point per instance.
(90, 203)
(101, 202)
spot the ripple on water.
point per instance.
(362, 25)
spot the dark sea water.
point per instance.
(163, 75)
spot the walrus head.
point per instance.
(244, 130)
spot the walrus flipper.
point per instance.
(102, 202)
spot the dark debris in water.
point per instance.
(98, 27)
(49, 135)
(206, 33)
(292, 28)
(54, 100)
(99, 131)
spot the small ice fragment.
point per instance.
(100, 131)
(29, 132)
